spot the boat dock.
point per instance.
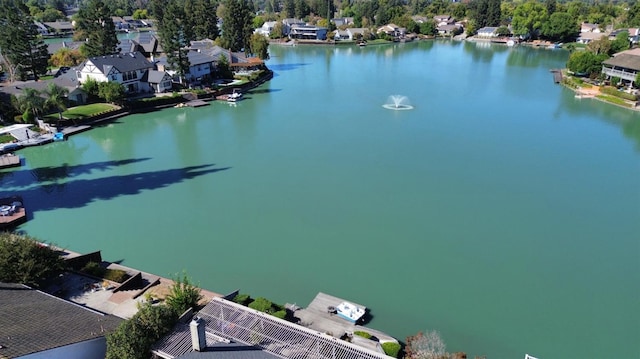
(12, 212)
(321, 316)
(557, 75)
(9, 160)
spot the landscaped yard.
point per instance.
(80, 112)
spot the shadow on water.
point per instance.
(258, 91)
(80, 192)
(56, 173)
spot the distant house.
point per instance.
(59, 27)
(307, 32)
(351, 33)
(418, 19)
(54, 47)
(442, 20)
(36, 325)
(342, 21)
(587, 37)
(129, 69)
(149, 43)
(449, 29)
(488, 32)
(392, 30)
(587, 27)
(288, 23)
(160, 81)
(266, 28)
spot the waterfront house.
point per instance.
(488, 32)
(52, 48)
(160, 81)
(288, 23)
(68, 80)
(342, 21)
(392, 30)
(352, 33)
(129, 69)
(307, 32)
(36, 325)
(442, 20)
(449, 29)
(59, 28)
(624, 65)
(587, 37)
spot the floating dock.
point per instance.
(16, 216)
(557, 75)
(9, 160)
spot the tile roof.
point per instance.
(32, 321)
(229, 351)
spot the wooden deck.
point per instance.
(9, 160)
(18, 217)
(196, 103)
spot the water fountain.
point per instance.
(397, 102)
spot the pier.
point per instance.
(9, 160)
(557, 75)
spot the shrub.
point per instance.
(183, 295)
(282, 314)
(24, 260)
(392, 349)
(243, 299)
(94, 269)
(133, 338)
(621, 94)
(362, 334)
(116, 275)
(261, 304)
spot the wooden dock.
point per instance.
(196, 103)
(15, 218)
(557, 75)
(9, 160)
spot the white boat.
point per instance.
(349, 311)
(234, 96)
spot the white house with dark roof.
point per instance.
(36, 325)
(624, 65)
(129, 69)
(266, 28)
(587, 27)
(488, 32)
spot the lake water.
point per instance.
(501, 211)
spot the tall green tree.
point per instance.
(176, 32)
(95, 23)
(560, 27)
(260, 46)
(236, 24)
(22, 46)
(204, 20)
(528, 18)
(586, 62)
(29, 103)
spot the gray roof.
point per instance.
(155, 77)
(128, 45)
(131, 61)
(60, 25)
(68, 80)
(32, 321)
(71, 45)
(626, 61)
(149, 42)
(229, 351)
(200, 58)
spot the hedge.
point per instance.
(615, 92)
(392, 349)
(362, 334)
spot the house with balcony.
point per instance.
(287, 24)
(623, 65)
(307, 32)
(129, 69)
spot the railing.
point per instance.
(625, 75)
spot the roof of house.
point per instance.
(229, 351)
(32, 321)
(71, 45)
(155, 77)
(149, 42)
(128, 45)
(626, 61)
(591, 35)
(68, 80)
(488, 29)
(125, 62)
(60, 25)
(200, 58)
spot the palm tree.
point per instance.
(29, 102)
(56, 98)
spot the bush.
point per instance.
(24, 260)
(116, 275)
(360, 333)
(243, 299)
(183, 295)
(392, 349)
(133, 338)
(94, 269)
(282, 314)
(261, 304)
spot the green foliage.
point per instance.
(428, 28)
(585, 62)
(133, 338)
(140, 14)
(612, 91)
(560, 27)
(223, 68)
(183, 294)
(392, 349)
(94, 269)
(614, 100)
(23, 49)
(91, 87)
(97, 270)
(23, 260)
(94, 23)
(259, 46)
(237, 24)
(277, 31)
(503, 31)
(621, 43)
(282, 314)
(485, 12)
(243, 299)
(528, 18)
(112, 92)
(362, 334)
(261, 304)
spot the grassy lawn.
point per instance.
(80, 112)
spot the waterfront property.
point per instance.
(625, 65)
(223, 321)
(12, 212)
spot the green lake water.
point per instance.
(501, 211)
